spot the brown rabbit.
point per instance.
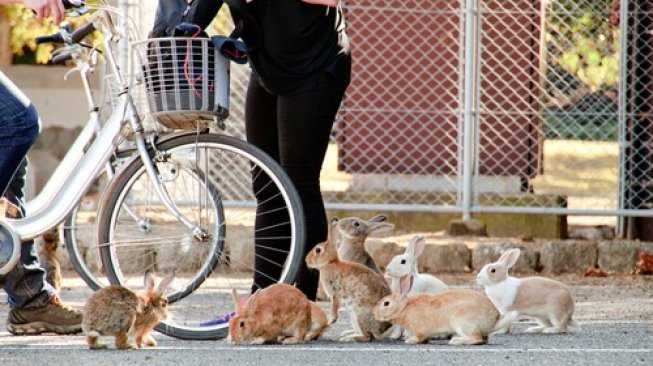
(117, 311)
(48, 258)
(351, 236)
(270, 314)
(468, 315)
(360, 287)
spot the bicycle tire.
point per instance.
(108, 219)
(75, 254)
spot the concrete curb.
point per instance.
(464, 255)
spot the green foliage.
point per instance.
(25, 27)
(582, 70)
(582, 41)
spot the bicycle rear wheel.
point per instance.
(210, 179)
(78, 233)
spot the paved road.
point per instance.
(597, 343)
(622, 338)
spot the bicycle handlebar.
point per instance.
(70, 4)
(50, 38)
(62, 58)
(82, 32)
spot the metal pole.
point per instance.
(621, 114)
(468, 132)
(461, 104)
(123, 57)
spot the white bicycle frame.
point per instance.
(89, 155)
(73, 155)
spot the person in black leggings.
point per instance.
(300, 70)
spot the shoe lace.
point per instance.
(56, 301)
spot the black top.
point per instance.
(295, 43)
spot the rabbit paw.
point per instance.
(536, 329)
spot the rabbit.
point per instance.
(271, 313)
(406, 265)
(468, 315)
(547, 300)
(116, 310)
(358, 286)
(48, 259)
(352, 233)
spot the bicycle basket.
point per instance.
(186, 81)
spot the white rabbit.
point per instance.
(548, 301)
(406, 265)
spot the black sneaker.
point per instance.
(52, 318)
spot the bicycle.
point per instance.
(181, 202)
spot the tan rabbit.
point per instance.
(547, 300)
(270, 314)
(352, 234)
(468, 315)
(48, 258)
(356, 285)
(118, 311)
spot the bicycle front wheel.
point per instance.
(215, 182)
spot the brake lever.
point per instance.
(76, 8)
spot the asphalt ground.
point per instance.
(616, 329)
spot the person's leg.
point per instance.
(35, 307)
(19, 127)
(25, 285)
(261, 130)
(305, 122)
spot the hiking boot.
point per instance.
(53, 317)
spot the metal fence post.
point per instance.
(469, 113)
(621, 114)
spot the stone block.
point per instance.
(568, 256)
(382, 252)
(461, 227)
(449, 258)
(617, 256)
(483, 254)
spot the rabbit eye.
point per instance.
(318, 250)
(241, 324)
(356, 223)
(493, 270)
(403, 261)
(386, 303)
(164, 302)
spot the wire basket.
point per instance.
(186, 81)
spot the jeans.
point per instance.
(19, 126)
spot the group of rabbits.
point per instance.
(415, 306)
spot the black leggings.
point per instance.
(295, 131)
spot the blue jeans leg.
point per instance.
(19, 126)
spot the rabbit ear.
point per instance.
(165, 283)
(405, 283)
(379, 227)
(149, 280)
(416, 246)
(236, 297)
(395, 286)
(332, 233)
(378, 218)
(509, 258)
(333, 224)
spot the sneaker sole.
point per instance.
(40, 327)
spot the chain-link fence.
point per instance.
(491, 106)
